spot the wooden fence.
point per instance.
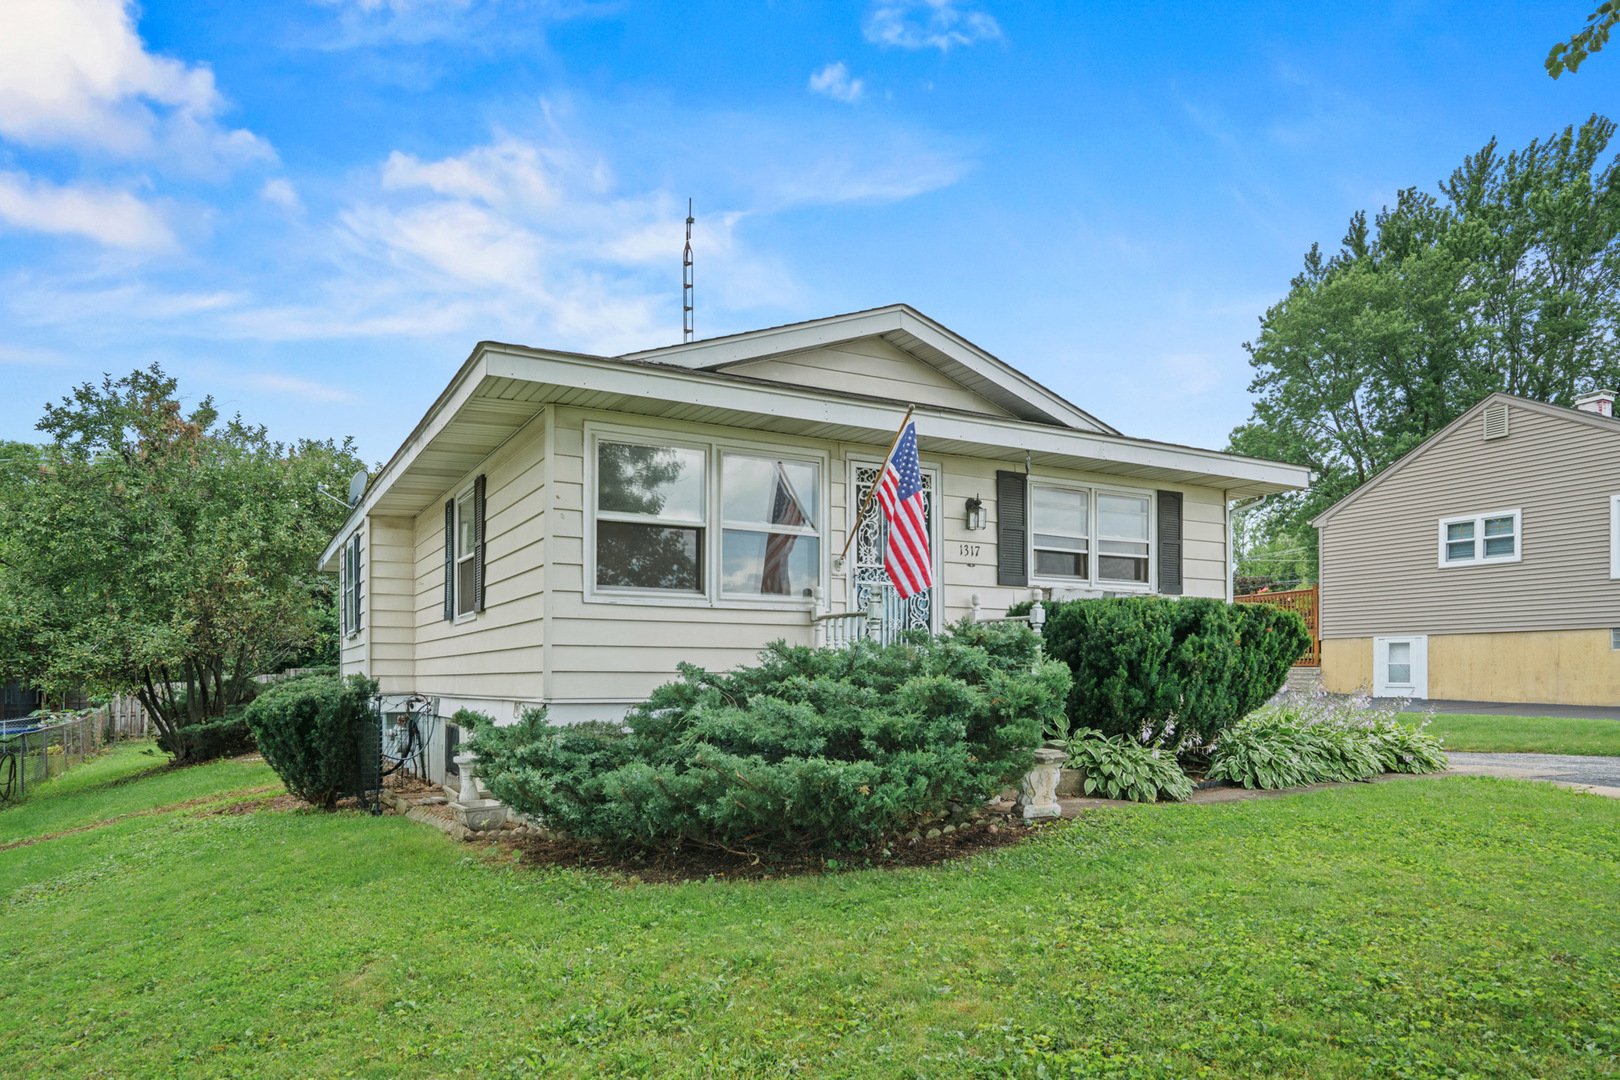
(1307, 603)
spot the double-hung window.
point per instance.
(651, 516)
(1085, 536)
(350, 571)
(1480, 538)
(1061, 527)
(466, 551)
(769, 542)
(1122, 537)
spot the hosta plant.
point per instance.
(1119, 768)
(1321, 739)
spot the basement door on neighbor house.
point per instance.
(866, 571)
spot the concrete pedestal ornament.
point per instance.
(1039, 796)
(473, 806)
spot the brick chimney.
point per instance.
(1598, 401)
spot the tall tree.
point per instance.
(1508, 279)
(158, 552)
(1569, 55)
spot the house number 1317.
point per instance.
(968, 551)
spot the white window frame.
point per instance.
(1480, 558)
(1090, 537)
(1095, 581)
(725, 525)
(1418, 686)
(348, 582)
(463, 499)
(714, 448)
(1614, 537)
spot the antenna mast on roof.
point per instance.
(686, 279)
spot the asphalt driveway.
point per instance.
(1601, 775)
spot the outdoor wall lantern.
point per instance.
(977, 516)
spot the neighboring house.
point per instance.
(563, 529)
(1485, 564)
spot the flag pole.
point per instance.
(873, 490)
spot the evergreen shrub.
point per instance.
(814, 749)
(1151, 668)
(309, 731)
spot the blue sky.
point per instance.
(313, 209)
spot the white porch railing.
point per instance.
(834, 630)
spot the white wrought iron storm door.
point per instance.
(866, 571)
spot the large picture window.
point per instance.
(679, 520)
(650, 516)
(1480, 538)
(770, 543)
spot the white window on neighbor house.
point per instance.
(1480, 538)
(651, 516)
(770, 540)
(1401, 666)
(1060, 528)
(1614, 536)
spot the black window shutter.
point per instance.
(1012, 528)
(1170, 542)
(478, 543)
(450, 559)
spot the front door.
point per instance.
(866, 570)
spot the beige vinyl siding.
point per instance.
(499, 653)
(390, 604)
(1379, 553)
(869, 366)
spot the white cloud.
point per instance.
(928, 24)
(109, 216)
(304, 388)
(280, 191)
(834, 81)
(76, 73)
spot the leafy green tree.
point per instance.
(1568, 55)
(157, 552)
(1505, 280)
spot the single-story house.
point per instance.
(563, 529)
(1484, 565)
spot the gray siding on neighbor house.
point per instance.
(1380, 550)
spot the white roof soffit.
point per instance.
(501, 388)
(951, 355)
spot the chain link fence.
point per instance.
(36, 748)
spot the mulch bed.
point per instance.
(700, 864)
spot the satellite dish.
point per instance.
(357, 487)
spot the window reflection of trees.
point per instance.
(639, 479)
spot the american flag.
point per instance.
(905, 556)
(785, 510)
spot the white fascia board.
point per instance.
(698, 388)
(440, 414)
(758, 344)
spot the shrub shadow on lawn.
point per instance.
(692, 863)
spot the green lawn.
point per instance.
(126, 779)
(1420, 928)
(1529, 734)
